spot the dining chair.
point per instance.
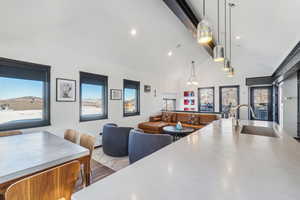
(71, 135)
(87, 141)
(10, 133)
(54, 184)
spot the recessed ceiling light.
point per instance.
(133, 32)
(237, 37)
(170, 53)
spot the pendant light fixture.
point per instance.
(218, 53)
(204, 32)
(231, 69)
(192, 80)
(226, 66)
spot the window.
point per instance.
(131, 100)
(261, 102)
(206, 99)
(24, 95)
(229, 97)
(93, 97)
(169, 104)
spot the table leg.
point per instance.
(87, 170)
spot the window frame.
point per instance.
(270, 99)
(199, 100)
(97, 78)
(220, 95)
(169, 99)
(40, 68)
(127, 82)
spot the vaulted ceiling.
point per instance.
(268, 29)
(35, 29)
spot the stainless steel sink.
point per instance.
(258, 130)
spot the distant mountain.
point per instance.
(92, 102)
(22, 103)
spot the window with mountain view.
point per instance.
(131, 100)
(206, 99)
(93, 96)
(24, 95)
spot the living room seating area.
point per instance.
(193, 120)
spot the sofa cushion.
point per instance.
(195, 119)
(207, 119)
(155, 118)
(155, 126)
(184, 118)
(174, 117)
(166, 117)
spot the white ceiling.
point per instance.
(99, 28)
(269, 30)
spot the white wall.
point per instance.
(66, 114)
(288, 105)
(73, 36)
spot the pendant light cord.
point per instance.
(225, 11)
(203, 9)
(193, 69)
(218, 21)
(230, 6)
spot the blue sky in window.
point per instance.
(91, 91)
(129, 93)
(14, 88)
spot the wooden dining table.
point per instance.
(27, 154)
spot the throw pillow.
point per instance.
(195, 120)
(166, 117)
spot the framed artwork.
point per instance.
(147, 88)
(186, 102)
(65, 90)
(115, 94)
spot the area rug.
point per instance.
(99, 172)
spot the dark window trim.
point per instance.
(298, 106)
(169, 99)
(46, 121)
(138, 87)
(199, 101)
(220, 95)
(96, 77)
(251, 98)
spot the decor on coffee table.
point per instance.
(65, 90)
(177, 133)
(115, 94)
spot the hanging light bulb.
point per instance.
(227, 65)
(231, 69)
(231, 72)
(204, 32)
(218, 53)
(193, 79)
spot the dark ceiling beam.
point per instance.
(185, 14)
(289, 66)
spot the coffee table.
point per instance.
(177, 133)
